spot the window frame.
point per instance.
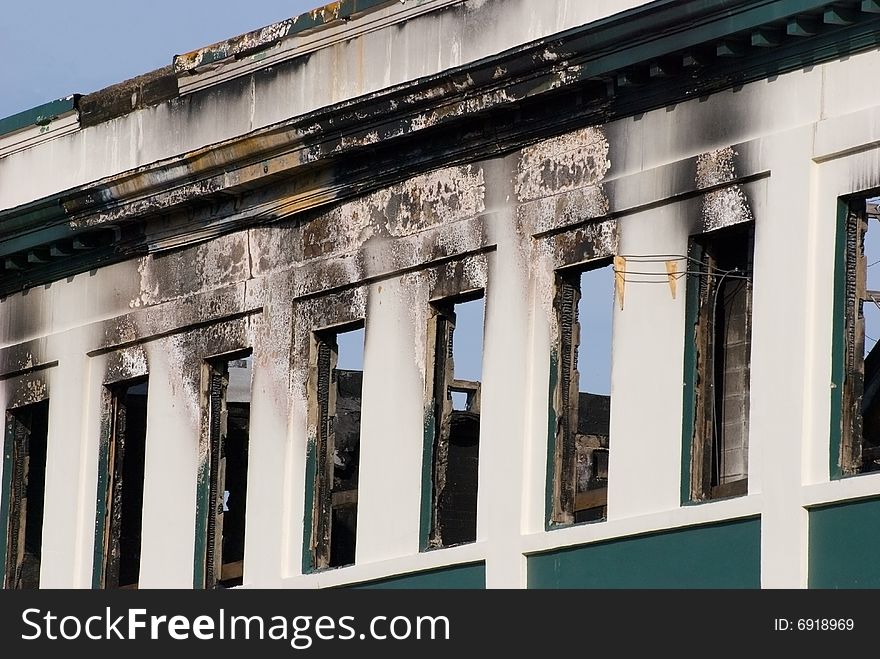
(699, 423)
(16, 474)
(210, 567)
(322, 398)
(565, 398)
(110, 483)
(847, 451)
(440, 375)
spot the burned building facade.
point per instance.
(235, 293)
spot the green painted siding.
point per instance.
(844, 542)
(460, 576)
(724, 555)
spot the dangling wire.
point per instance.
(707, 269)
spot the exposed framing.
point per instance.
(575, 249)
(108, 522)
(701, 442)
(323, 502)
(566, 501)
(15, 509)
(850, 453)
(440, 382)
(211, 567)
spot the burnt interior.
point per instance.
(346, 462)
(860, 446)
(229, 421)
(723, 330)
(584, 307)
(458, 344)
(125, 508)
(337, 400)
(26, 436)
(235, 502)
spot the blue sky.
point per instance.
(55, 48)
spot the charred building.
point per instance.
(235, 293)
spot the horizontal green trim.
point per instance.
(38, 116)
(844, 539)
(726, 555)
(472, 577)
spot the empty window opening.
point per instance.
(125, 487)
(584, 307)
(339, 382)
(860, 445)
(25, 466)
(457, 331)
(228, 423)
(720, 446)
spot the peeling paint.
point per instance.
(563, 163)
(566, 75)
(723, 208)
(126, 364)
(34, 391)
(715, 167)
(728, 205)
(419, 203)
(459, 237)
(437, 198)
(225, 260)
(184, 375)
(416, 286)
(560, 210)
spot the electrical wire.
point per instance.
(680, 274)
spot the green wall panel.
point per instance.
(461, 576)
(724, 555)
(844, 545)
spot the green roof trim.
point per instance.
(270, 35)
(38, 116)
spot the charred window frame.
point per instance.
(451, 451)
(717, 364)
(119, 513)
(855, 421)
(334, 414)
(222, 484)
(24, 479)
(579, 430)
